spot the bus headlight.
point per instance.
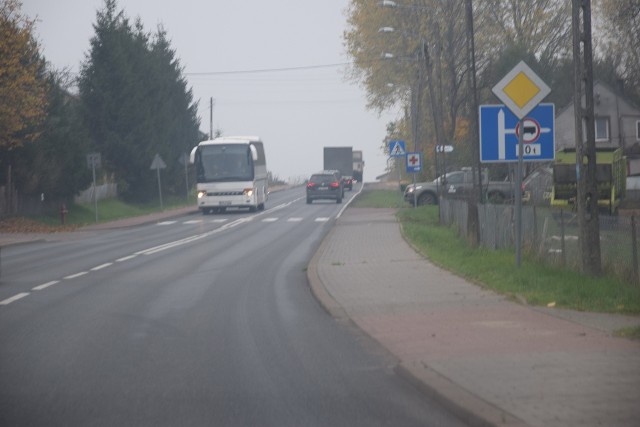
(201, 194)
(248, 192)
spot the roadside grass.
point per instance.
(112, 209)
(534, 282)
(632, 333)
(379, 199)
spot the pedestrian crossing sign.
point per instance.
(397, 148)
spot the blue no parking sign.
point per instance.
(500, 129)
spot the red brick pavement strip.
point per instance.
(493, 361)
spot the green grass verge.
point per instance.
(632, 333)
(379, 199)
(532, 281)
(113, 209)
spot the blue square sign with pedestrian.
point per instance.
(397, 148)
(500, 130)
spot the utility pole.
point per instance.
(585, 150)
(211, 103)
(474, 217)
(416, 100)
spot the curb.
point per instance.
(318, 290)
(463, 404)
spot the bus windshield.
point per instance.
(224, 162)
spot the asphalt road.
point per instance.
(201, 320)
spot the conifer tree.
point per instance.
(135, 103)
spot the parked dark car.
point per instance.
(325, 185)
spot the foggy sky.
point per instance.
(299, 105)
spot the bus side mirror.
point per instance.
(254, 153)
(192, 156)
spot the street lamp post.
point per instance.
(425, 68)
(416, 94)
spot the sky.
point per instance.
(274, 69)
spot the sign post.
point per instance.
(93, 162)
(397, 150)
(184, 160)
(414, 165)
(521, 90)
(158, 164)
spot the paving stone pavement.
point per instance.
(491, 360)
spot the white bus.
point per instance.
(231, 171)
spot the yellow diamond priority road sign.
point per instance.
(521, 90)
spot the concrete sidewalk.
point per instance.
(492, 361)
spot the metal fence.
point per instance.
(101, 192)
(550, 235)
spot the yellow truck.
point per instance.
(611, 174)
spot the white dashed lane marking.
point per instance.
(223, 220)
(45, 285)
(157, 249)
(73, 276)
(14, 298)
(100, 267)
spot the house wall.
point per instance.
(623, 118)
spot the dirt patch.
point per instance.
(25, 225)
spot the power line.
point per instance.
(268, 70)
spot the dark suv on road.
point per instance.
(325, 185)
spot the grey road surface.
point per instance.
(199, 320)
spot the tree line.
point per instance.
(427, 46)
(129, 102)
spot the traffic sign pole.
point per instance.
(414, 165)
(95, 189)
(518, 191)
(521, 90)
